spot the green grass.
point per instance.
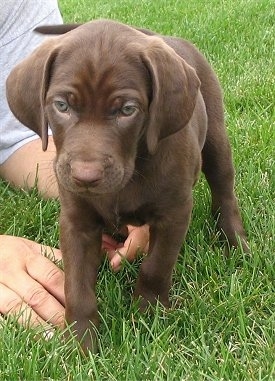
(222, 322)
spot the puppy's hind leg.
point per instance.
(219, 171)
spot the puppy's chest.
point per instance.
(134, 206)
(143, 200)
(138, 216)
(124, 211)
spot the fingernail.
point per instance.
(48, 334)
(115, 265)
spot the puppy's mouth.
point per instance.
(98, 177)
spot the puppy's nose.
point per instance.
(85, 173)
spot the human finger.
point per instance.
(137, 240)
(12, 304)
(37, 297)
(50, 252)
(108, 243)
(48, 275)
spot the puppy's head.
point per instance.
(104, 89)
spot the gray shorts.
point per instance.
(18, 18)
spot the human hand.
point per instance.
(138, 239)
(31, 285)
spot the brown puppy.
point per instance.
(134, 118)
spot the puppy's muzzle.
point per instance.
(95, 175)
(87, 174)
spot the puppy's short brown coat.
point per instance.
(134, 116)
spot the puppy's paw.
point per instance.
(89, 342)
(148, 297)
(85, 337)
(146, 305)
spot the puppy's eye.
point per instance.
(128, 109)
(61, 106)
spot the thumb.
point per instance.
(118, 256)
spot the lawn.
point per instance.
(222, 322)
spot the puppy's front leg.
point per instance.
(166, 237)
(80, 246)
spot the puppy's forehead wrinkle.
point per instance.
(110, 60)
(99, 73)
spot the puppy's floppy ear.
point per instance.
(27, 86)
(175, 87)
